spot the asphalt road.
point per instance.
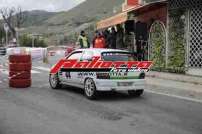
(41, 110)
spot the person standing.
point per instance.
(107, 38)
(99, 41)
(119, 37)
(113, 38)
(83, 40)
(95, 37)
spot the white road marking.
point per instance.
(1, 82)
(175, 96)
(35, 72)
(42, 68)
(4, 71)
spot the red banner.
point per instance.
(132, 2)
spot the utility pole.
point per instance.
(32, 41)
(6, 28)
(17, 37)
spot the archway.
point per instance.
(157, 44)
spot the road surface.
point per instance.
(41, 110)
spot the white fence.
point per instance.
(38, 54)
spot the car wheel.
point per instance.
(90, 89)
(54, 81)
(136, 93)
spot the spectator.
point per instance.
(112, 43)
(107, 38)
(99, 41)
(95, 36)
(83, 40)
(119, 37)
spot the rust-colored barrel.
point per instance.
(20, 58)
(20, 71)
(20, 83)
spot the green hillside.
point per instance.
(77, 18)
(57, 25)
(36, 17)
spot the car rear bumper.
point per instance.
(119, 85)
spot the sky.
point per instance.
(48, 5)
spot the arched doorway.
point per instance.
(157, 44)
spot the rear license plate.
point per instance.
(124, 84)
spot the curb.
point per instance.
(176, 77)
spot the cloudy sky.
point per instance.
(49, 5)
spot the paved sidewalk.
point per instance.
(175, 84)
(176, 77)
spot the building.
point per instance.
(185, 17)
(142, 25)
(166, 32)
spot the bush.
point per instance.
(177, 39)
(26, 41)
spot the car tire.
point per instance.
(90, 89)
(136, 93)
(54, 81)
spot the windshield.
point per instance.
(117, 56)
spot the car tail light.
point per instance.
(142, 76)
(103, 76)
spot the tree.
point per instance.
(13, 17)
(20, 17)
(7, 15)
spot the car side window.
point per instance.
(76, 55)
(87, 56)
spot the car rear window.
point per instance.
(117, 56)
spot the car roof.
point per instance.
(100, 50)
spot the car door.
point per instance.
(71, 77)
(86, 57)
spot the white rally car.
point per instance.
(94, 81)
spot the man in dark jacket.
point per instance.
(113, 38)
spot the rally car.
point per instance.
(95, 80)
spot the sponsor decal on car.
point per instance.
(97, 65)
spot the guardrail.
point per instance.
(2, 51)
